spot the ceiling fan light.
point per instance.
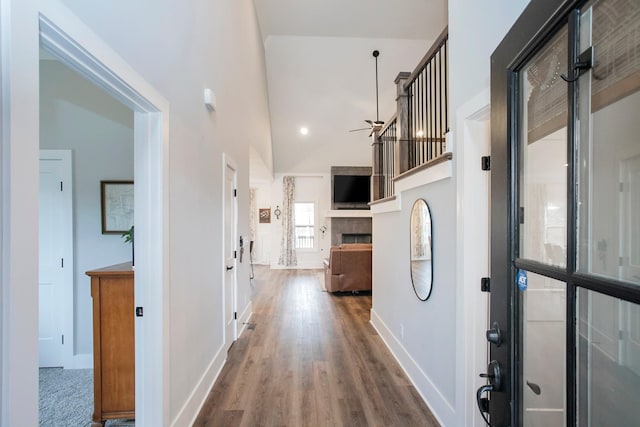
(304, 130)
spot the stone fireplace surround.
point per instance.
(340, 226)
(347, 223)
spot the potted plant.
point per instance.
(127, 236)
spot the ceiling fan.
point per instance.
(377, 123)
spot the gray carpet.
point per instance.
(66, 398)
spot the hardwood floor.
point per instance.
(313, 359)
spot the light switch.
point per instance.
(209, 99)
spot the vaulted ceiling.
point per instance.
(321, 72)
(397, 19)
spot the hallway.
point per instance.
(313, 359)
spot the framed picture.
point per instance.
(117, 206)
(264, 215)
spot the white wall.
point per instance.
(338, 74)
(309, 188)
(76, 115)
(431, 338)
(262, 245)
(421, 334)
(180, 48)
(475, 30)
(261, 178)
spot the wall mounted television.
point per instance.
(354, 189)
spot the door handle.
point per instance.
(229, 268)
(534, 387)
(494, 375)
(483, 402)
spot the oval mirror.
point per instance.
(421, 249)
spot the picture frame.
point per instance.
(116, 199)
(264, 215)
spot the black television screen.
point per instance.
(351, 189)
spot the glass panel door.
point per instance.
(565, 240)
(542, 219)
(609, 148)
(543, 352)
(608, 361)
(543, 148)
(608, 333)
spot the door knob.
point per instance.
(494, 336)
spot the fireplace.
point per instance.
(353, 228)
(356, 238)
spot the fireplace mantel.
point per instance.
(349, 213)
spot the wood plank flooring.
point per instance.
(313, 359)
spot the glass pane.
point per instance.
(304, 237)
(608, 360)
(609, 148)
(543, 162)
(304, 213)
(304, 220)
(543, 352)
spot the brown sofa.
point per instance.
(348, 268)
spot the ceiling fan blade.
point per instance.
(356, 130)
(370, 122)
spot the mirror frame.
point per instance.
(413, 281)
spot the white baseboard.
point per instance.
(192, 407)
(190, 410)
(81, 361)
(244, 318)
(437, 403)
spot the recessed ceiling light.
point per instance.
(304, 130)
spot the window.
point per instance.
(304, 219)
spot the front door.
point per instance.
(565, 213)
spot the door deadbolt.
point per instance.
(494, 335)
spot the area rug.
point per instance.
(66, 399)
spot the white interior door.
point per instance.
(230, 221)
(55, 258)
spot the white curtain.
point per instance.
(288, 243)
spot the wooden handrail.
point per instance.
(388, 123)
(442, 38)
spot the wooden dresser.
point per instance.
(113, 343)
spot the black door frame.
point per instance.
(535, 26)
